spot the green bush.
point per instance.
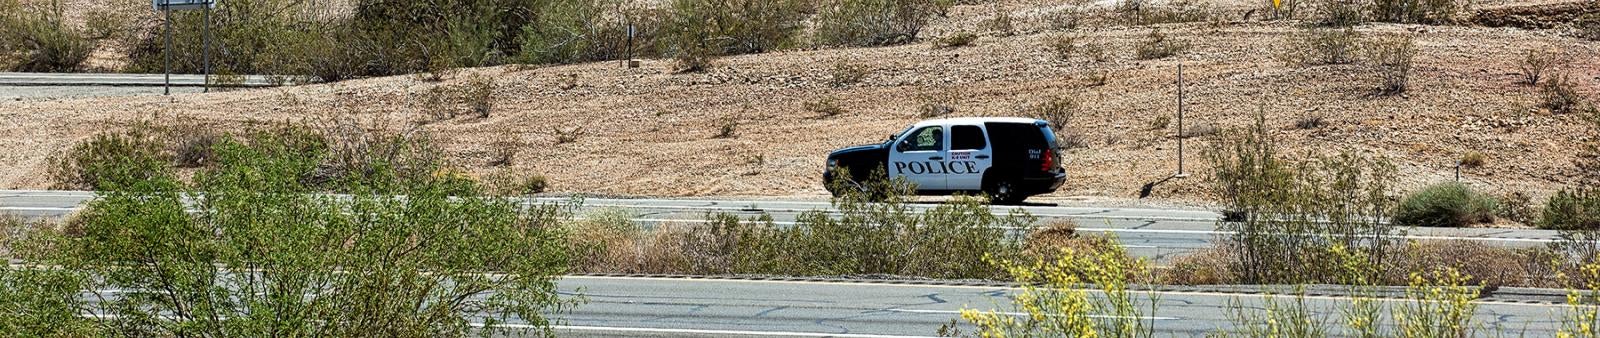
(1158, 45)
(1323, 46)
(33, 38)
(1418, 11)
(1572, 210)
(704, 29)
(588, 30)
(1446, 205)
(872, 22)
(111, 161)
(248, 249)
(1391, 59)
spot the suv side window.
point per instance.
(966, 138)
(925, 139)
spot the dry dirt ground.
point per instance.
(649, 131)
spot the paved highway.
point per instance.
(28, 86)
(1159, 234)
(712, 307)
(626, 307)
(115, 79)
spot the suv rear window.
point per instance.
(966, 138)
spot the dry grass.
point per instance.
(1485, 264)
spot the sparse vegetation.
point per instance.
(936, 104)
(1313, 121)
(1058, 112)
(1559, 94)
(1391, 58)
(508, 182)
(33, 38)
(845, 74)
(1446, 205)
(1536, 63)
(726, 127)
(1474, 159)
(1418, 11)
(1323, 46)
(959, 39)
(872, 22)
(1160, 122)
(1000, 23)
(1517, 207)
(257, 213)
(111, 161)
(1339, 13)
(826, 106)
(1284, 216)
(478, 91)
(568, 135)
(1146, 12)
(1158, 45)
(701, 30)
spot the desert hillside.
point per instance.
(650, 131)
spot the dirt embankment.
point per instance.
(648, 131)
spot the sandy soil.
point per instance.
(649, 131)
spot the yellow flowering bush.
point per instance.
(1056, 300)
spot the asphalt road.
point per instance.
(701, 307)
(50, 86)
(627, 307)
(1157, 234)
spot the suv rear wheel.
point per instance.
(1004, 192)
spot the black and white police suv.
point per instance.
(1007, 158)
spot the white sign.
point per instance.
(179, 5)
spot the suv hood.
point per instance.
(856, 149)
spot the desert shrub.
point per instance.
(1285, 217)
(1588, 27)
(1158, 45)
(568, 135)
(1160, 122)
(1517, 207)
(872, 22)
(936, 104)
(33, 38)
(726, 127)
(248, 37)
(193, 147)
(1417, 11)
(1064, 46)
(1323, 46)
(826, 106)
(1390, 58)
(478, 92)
(700, 30)
(246, 236)
(1339, 13)
(1577, 209)
(1559, 94)
(1075, 13)
(606, 240)
(111, 161)
(959, 39)
(1311, 122)
(1536, 62)
(509, 182)
(1056, 303)
(44, 303)
(1440, 303)
(1000, 23)
(1450, 205)
(1474, 159)
(588, 30)
(1146, 12)
(844, 74)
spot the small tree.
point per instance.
(1391, 59)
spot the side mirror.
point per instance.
(902, 147)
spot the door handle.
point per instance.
(937, 158)
(982, 157)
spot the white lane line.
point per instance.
(1020, 314)
(1240, 295)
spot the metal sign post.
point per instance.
(205, 46)
(166, 7)
(1180, 174)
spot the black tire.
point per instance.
(1004, 192)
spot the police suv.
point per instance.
(1007, 158)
